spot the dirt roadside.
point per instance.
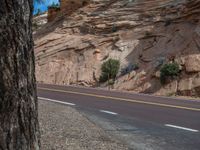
(63, 128)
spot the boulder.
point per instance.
(192, 63)
(168, 89)
(185, 84)
(52, 13)
(132, 81)
(70, 6)
(196, 85)
(190, 86)
(196, 81)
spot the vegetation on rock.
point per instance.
(169, 70)
(152, 38)
(109, 70)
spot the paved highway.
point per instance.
(175, 121)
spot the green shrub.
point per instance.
(109, 70)
(169, 70)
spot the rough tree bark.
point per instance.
(19, 129)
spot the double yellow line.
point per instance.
(122, 99)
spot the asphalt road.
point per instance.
(175, 121)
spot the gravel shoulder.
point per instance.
(64, 128)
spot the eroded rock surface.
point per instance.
(71, 49)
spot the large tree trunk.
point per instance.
(19, 129)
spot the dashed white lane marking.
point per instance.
(179, 127)
(56, 101)
(109, 112)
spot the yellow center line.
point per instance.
(122, 99)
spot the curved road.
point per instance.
(179, 117)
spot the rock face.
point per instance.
(39, 21)
(72, 5)
(190, 86)
(192, 63)
(168, 89)
(66, 7)
(52, 13)
(149, 33)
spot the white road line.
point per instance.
(108, 112)
(179, 127)
(56, 101)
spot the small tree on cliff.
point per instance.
(169, 70)
(109, 70)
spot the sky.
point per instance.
(43, 6)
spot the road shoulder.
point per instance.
(62, 127)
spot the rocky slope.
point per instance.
(71, 49)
